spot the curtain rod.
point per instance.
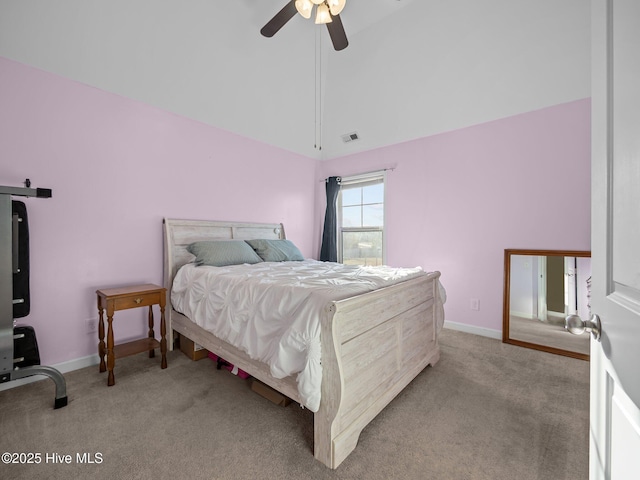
(363, 174)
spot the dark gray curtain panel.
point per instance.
(329, 249)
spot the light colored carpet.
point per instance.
(487, 410)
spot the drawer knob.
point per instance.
(138, 300)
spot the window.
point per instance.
(361, 220)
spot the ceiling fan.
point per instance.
(327, 12)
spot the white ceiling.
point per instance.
(413, 67)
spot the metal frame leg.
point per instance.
(53, 374)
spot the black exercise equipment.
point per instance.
(19, 355)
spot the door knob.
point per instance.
(574, 324)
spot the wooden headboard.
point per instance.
(178, 234)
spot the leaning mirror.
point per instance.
(541, 288)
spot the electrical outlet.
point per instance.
(92, 325)
(474, 304)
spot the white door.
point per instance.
(570, 285)
(615, 360)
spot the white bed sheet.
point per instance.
(272, 310)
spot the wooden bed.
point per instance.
(373, 344)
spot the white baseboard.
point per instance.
(63, 367)
(483, 332)
(92, 360)
(528, 315)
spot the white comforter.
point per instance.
(272, 310)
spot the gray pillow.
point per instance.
(276, 250)
(219, 253)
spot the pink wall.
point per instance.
(117, 167)
(455, 201)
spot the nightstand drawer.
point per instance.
(140, 300)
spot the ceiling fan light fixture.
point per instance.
(304, 8)
(326, 14)
(336, 6)
(322, 15)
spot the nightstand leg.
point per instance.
(152, 352)
(110, 356)
(163, 338)
(101, 347)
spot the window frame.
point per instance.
(357, 181)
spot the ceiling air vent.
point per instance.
(350, 137)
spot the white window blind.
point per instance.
(361, 219)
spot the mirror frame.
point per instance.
(507, 291)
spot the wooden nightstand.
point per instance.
(123, 298)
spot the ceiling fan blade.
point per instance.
(278, 21)
(337, 33)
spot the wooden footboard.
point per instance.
(373, 344)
